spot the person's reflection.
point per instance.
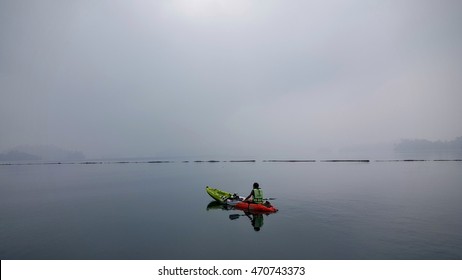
(256, 220)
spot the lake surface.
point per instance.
(328, 210)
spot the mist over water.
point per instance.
(101, 104)
(179, 77)
(328, 210)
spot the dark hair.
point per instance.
(255, 185)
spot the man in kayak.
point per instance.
(256, 196)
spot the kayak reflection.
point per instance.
(216, 205)
(256, 218)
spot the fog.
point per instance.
(240, 77)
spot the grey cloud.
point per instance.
(210, 77)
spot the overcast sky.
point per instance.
(235, 77)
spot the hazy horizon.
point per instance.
(244, 78)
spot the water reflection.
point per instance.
(256, 218)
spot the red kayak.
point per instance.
(254, 207)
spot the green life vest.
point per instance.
(257, 196)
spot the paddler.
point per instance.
(256, 196)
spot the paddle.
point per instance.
(270, 198)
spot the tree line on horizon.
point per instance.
(33, 153)
(407, 145)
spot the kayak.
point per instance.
(255, 207)
(238, 203)
(218, 195)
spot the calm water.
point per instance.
(377, 210)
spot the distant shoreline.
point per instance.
(227, 161)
